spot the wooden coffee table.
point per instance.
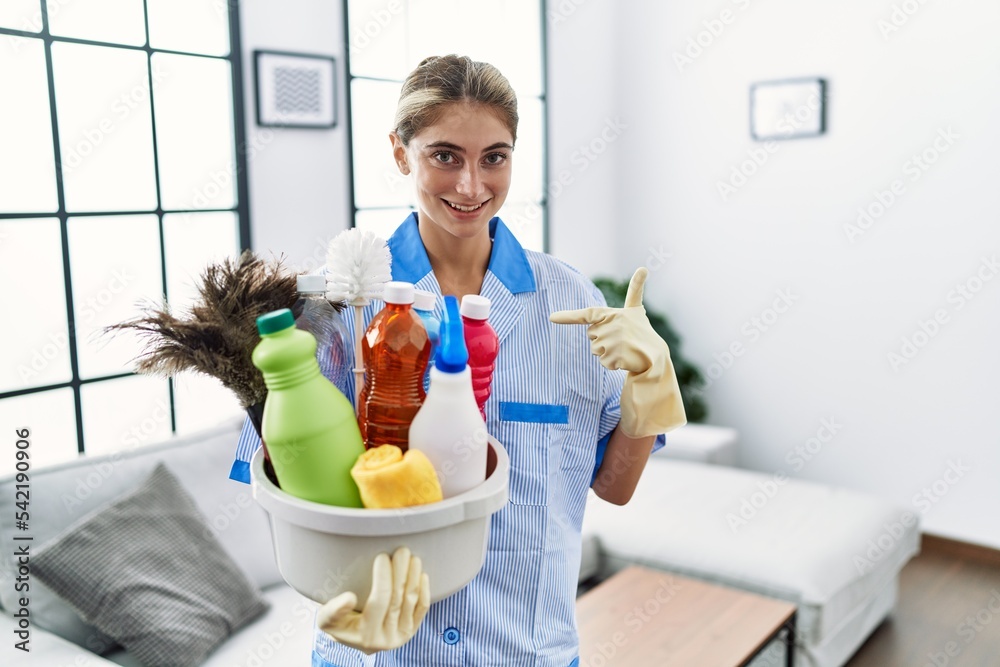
(644, 617)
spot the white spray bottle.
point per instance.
(448, 428)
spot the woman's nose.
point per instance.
(470, 182)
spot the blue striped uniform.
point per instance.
(553, 406)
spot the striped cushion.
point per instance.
(147, 571)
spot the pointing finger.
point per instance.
(582, 316)
(633, 298)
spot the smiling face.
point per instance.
(461, 167)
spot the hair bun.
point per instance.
(440, 80)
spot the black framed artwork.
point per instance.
(295, 89)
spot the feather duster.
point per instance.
(219, 333)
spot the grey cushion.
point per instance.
(147, 571)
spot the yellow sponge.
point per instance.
(388, 478)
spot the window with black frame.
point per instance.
(120, 179)
(387, 39)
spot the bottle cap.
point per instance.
(453, 355)
(475, 307)
(311, 283)
(276, 320)
(398, 293)
(424, 300)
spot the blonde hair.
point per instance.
(441, 80)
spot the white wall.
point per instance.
(898, 429)
(298, 178)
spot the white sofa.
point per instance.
(835, 553)
(797, 548)
(61, 495)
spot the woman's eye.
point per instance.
(444, 157)
(496, 158)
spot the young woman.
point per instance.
(569, 420)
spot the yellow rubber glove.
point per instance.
(400, 598)
(623, 338)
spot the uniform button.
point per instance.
(451, 636)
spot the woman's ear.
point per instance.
(399, 153)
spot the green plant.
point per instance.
(689, 378)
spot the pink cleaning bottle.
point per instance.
(483, 345)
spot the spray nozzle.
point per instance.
(452, 356)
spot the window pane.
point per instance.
(105, 129)
(202, 402)
(51, 418)
(377, 181)
(124, 414)
(191, 241)
(118, 21)
(194, 132)
(483, 31)
(23, 15)
(382, 222)
(115, 262)
(526, 179)
(27, 168)
(194, 26)
(36, 351)
(378, 39)
(526, 220)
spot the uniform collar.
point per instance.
(508, 261)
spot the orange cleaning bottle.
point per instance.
(396, 350)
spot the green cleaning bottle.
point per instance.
(309, 426)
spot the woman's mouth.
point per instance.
(465, 209)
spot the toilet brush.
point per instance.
(358, 265)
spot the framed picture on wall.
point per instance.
(295, 89)
(789, 109)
